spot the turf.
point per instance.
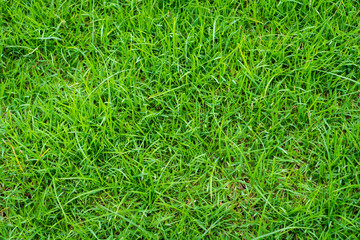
(179, 119)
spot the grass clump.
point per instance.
(179, 119)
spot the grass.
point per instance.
(179, 119)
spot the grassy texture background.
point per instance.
(179, 119)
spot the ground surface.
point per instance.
(179, 119)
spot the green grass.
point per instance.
(179, 119)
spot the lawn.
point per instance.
(179, 119)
